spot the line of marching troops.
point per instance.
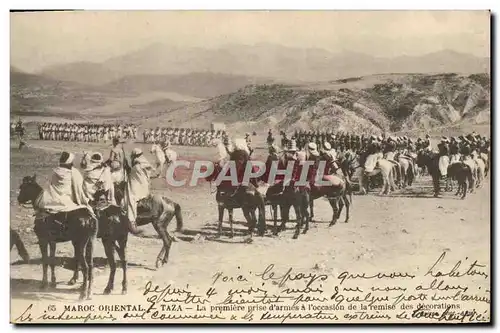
(358, 143)
(85, 132)
(183, 136)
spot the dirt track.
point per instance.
(402, 232)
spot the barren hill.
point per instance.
(202, 85)
(373, 104)
(32, 94)
(87, 73)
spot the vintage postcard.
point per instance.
(250, 167)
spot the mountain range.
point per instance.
(252, 88)
(261, 61)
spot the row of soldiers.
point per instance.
(341, 142)
(86, 132)
(464, 145)
(183, 136)
(347, 141)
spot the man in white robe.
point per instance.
(116, 162)
(170, 156)
(97, 172)
(65, 192)
(138, 186)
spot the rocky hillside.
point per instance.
(373, 104)
(201, 85)
(370, 104)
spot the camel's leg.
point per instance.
(52, 258)
(110, 255)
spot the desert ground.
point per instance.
(405, 231)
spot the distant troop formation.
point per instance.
(182, 136)
(358, 143)
(85, 132)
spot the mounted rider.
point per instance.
(137, 184)
(329, 155)
(65, 192)
(248, 140)
(170, 154)
(444, 159)
(311, 155)
(426, 143)
(97, 176)
(280, 164)
(116, 162)
(270, 138)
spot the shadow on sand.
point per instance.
(68, 263)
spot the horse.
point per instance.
(480, 168)
(336, 191)
(222, 156)
(348, 162)
(486, 159)
(285, 196)
(15, 240)
(160, 158)
(78, 226)
(245, 197)
(396, 170)
(159, 211)
(462, 173)
(375, 165)
(407, 170)
(430, 161)
(472, 163)
(113, 232)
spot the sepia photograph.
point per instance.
(250, 167)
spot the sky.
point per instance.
(41, 39)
